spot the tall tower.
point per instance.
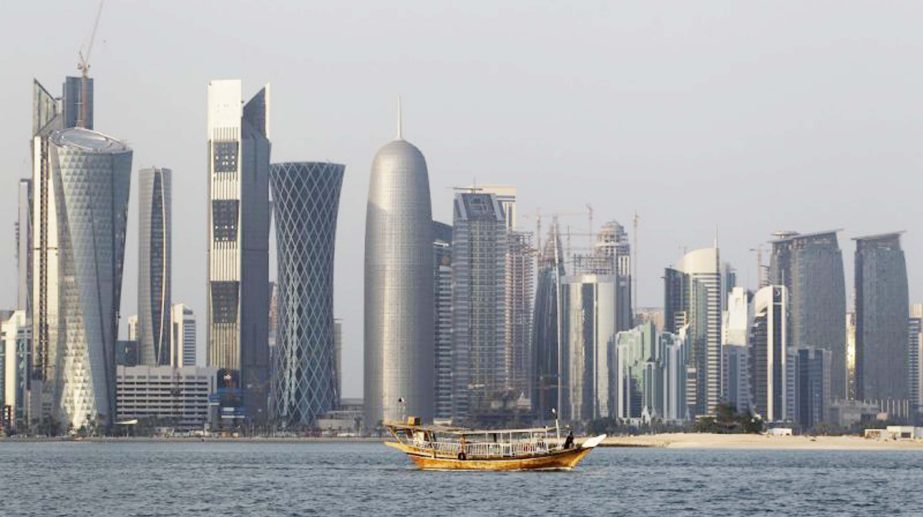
(546, 330)
(882, 307)
(694, 297)
(769, 357)
(238, 253)
(91, 174)
(442, 319)
(479, 251)
(306, 196)
(154, 266)
(24, 248)
(810, 266)
(399, 360)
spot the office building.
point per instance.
(442, 317)
(338, 356)
(810, 266)
(914, 353)
(769, 350)
(882, 306)
(238, 251)
(399, 359)
(165, 396)
(736, 329)
(24, 248)
(506, 198)
(306, 198)
(519, 290)
(15, 347)
(482, 363)
(546, 334)
(648, 373)
(812, 391)
(182, 342)
(154, 266)
(694, 297)
(78, 102)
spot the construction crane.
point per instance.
(84, 67)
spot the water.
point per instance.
(213, 478)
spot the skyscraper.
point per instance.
(238, 253)
(769, 353)
(24, 248)
(612, 244)
(182, 336)
(91, 174)
(482, 363)
(694, 297)
(915, 353)
(882, 307)
(812, 381)
(648, 373)
(736, 349)
(442, 316)
(73, 102)
(546, 334)
(306, 197)
(15, 342)
(154, 266)
(398, 287)
(810, 266)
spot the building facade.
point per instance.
(24, 247)
(238, 253)
(882, 306)
(15, 341)
(398, 315)
(812, 392)
(546, 334)
(442, 317)
(810, 266)
(165, 396)
(769, 373)
(649, 375)
(482, 363)
(735, 343)
(154, 265)
(183, 345)
(914, 353)
(306, 197)
(694, 297)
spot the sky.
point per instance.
(711, 117)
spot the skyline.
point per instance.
(533, 127)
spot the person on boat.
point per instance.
(569, 441)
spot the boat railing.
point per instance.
(490, 449)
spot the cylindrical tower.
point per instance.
(154, 265)
(306, 197)
(91, 174)
(399, 364)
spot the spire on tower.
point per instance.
(400, 120)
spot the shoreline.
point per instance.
(759, 441)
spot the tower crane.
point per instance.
(84, 67)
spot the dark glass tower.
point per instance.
(882, 309)
(154, 266)
(545, 330)
(306, 198)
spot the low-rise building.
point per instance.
(165, 396)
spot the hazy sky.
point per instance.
(748, 116)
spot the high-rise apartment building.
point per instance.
(694, 296)
(398, 315)
(882, 306)
(546, 333)
(238, 252)
(482, 363)
(154, 266)
(736, 328)
(648, 372)
(442, 317)
(306, 198)
(914, 354)
(810, 266)
(182, 344)
(769, 376)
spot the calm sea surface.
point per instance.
(230, 479)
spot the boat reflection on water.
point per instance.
(451, 448)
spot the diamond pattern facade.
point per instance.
(91, 174)
(305, 203)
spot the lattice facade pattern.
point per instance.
(305, 201)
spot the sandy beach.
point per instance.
(752, 441)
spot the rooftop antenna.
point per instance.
(84, 67)
(400, 119)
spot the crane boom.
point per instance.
(84, 67)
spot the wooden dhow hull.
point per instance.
(558, 460)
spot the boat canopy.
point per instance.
(460, 431)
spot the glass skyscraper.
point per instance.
(399, 360)
(238, 253)
(154, 266)
(546, 335)
(810, 266)
(306, 197)
(882, 308)
(769, 354)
